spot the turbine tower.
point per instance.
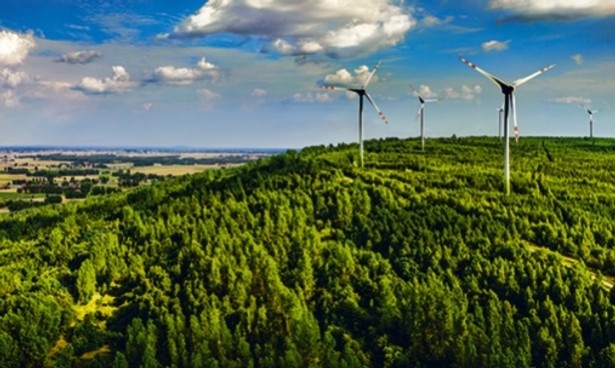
(591, 118)
(421, 112)
(362, 92)
(509, 104)
(500, 113)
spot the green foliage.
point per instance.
(305, 260)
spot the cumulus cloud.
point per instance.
(464, 93)
(12, 79)
(555, 9)
(259, 92)
(80, 57)
(118, 83)
(425, 91)
(312, 97)
(495, 45)
(20, 86)
(572, 100)
(578, 59)
(15, 47)
(335, 28)
(345, 78)
(184, 76)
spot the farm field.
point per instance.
(75, 174)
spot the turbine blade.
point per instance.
(369, 98)
(491, 77)
(514, 111)
(335, 88)
(434, 99)
(519, 82)
(371, 75)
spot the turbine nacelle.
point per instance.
(507, 89)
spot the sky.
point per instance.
(246, 73)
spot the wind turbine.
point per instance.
(591, 118)
(509, 103)
(362, 92)
(421, 112)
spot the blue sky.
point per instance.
(245, 73)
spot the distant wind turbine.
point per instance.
(509, 103)
(421, 112)
(362, 92)
(591, 118)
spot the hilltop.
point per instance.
(303, 259)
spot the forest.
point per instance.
(303, 259)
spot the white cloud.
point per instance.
(337, 28)
(184, 76)
(312, 97)
(259, 92)
(80, 57)
(495, 45)
(282, 46)
(15, 47)
(572, 100)
(556, 9)
(578, 59)
(12, 79)
(208, 98)
(118, 83)
(425, 91)
(345, 78)
(20, 86)
(148, 106)
(464, 93)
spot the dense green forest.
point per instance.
(305, 260)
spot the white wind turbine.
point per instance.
(421, 113)
(509, 104)
(362, 92)
(591, 118)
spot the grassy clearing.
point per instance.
(60, 344)
(105, 349)
(98, 303)
(607, 281)
(11, 194)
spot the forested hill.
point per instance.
(306, 260)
